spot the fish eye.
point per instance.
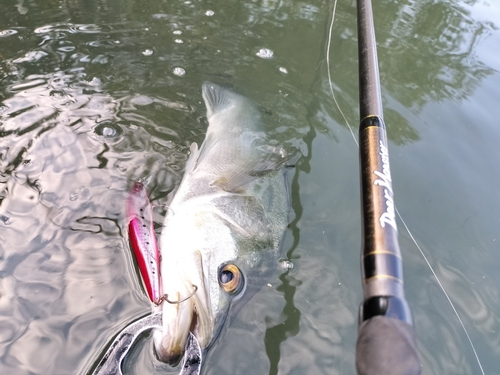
(230, 279)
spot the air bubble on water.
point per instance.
(177, 32)
(265, 53)
(179, 72)
(283, 70)
(180, 41)
(57, 94)
(73, 196)
(147, 52)
(288, 265)
(108, 129)
(109, 132)
(209, 13)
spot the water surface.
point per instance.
(96, 94)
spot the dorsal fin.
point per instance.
(216, 98)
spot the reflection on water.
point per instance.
(97, 94)
(427, 53)
(289, 321)
(444, 30)
(64, 259)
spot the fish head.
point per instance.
(205, 284)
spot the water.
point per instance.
(97, 94)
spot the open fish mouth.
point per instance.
(170, 342)
(185, 309)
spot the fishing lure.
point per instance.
(143, 240)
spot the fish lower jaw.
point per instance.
(170, 349)
(167, 354)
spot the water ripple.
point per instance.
(72, 28)
(87, 108)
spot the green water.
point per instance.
(96, 94)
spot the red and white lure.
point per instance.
(143, 240)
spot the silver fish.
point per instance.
(222, 234)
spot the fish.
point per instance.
(223, 230)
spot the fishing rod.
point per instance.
(386, 338)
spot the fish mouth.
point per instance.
(185, 309)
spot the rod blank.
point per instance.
(386, 339)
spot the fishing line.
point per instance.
(330, 76)
(444, 291)
(399, 215)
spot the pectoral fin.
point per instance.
(252, 169)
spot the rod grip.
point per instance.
(386, 346)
